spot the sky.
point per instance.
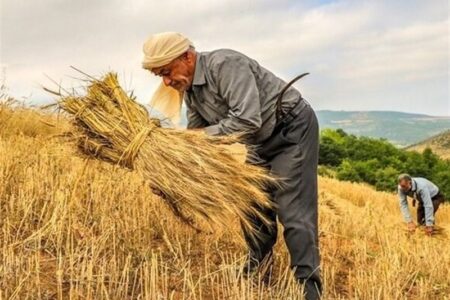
(362, 55)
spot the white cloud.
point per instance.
(361, 54)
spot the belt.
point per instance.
(293, 112)
(439, 194)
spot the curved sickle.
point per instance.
(279, 111)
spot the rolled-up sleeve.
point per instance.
(428, 206)
(237, 84)
(404, 206)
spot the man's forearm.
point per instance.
(429, 216)
(428, 207)
(405, 210)
(232, 125)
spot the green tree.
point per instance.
(331, 153)
(346, 171)
(386, 179)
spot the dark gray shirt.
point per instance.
(232, 93)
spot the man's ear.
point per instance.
(184, 56)
(189, 56)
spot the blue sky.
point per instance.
(362, 55)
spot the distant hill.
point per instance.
(401, 129)
(440, 144)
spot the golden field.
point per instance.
(72, 228)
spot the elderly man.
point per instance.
(427, 195)
(227, 92)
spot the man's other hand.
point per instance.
(429, 230)
(237, 150)
(411, 226)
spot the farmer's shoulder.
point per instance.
(421, 181)
(423, 184)
(219, 58)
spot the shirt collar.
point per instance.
(199, 73)
(413, 185)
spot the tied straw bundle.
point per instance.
(190, 171)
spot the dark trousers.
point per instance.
(291, 153)
(437, 200)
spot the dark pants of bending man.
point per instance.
(291, 153)
(437, 200)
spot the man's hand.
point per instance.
(157, 192)
(411, 226)
(197, 129)
(429, 230)
(237, 150)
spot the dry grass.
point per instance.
(71, 229)
(191, 172)
(16, 119)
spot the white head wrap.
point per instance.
(159, 50)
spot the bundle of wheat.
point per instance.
(195, 176)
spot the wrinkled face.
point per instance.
(405, 185)
(179, 73)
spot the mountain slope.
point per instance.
(439, 144)
(402, 129)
